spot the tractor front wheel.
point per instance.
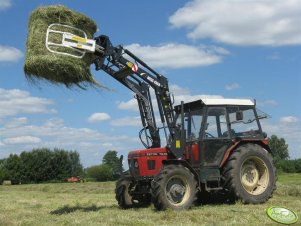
(122, 195)
(124, 187)
(174, 187)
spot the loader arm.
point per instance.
(136, 75)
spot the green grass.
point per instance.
(94, 204)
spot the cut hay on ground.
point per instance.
(41, 64)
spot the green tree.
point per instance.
(100, 173)
(66, 164)
(36, 166)
(279, 148)
(3, 171)
(76, 167)
(13, 168)
(111, 160)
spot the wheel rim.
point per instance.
(254, 176)
(177, 190)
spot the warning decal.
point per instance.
(134, 68)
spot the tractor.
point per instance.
(212, 145)
(221, 147)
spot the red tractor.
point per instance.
(211, 144)
(223, 149)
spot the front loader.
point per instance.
(211, 144)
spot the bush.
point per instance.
(99, 173)
(298, 165)
(289, 166)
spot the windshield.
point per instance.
(243, 121)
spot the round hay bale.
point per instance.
(41, 64)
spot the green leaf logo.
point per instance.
(282, 215)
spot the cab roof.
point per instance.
(240, 102)
(215, 102)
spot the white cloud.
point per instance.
(16, 122)
(10, 54)
(232, 86)
(19, 133)
(4, 4)
(129, 105)
(177, 90)
(15, 101)
(240, 22)
(127, 121)
(288, 119)
(99, 117)
(172, 55)
(91, 144)
(22, 140)
(179, 94)
(54, 123)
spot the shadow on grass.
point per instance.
(70, 209)
(215, 198)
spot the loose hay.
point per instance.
(41, 64)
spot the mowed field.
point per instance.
(95, 204)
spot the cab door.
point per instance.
(215, 137)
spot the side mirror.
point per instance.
(239, 116)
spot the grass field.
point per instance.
(94, 204)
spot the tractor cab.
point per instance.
(221, 119)
(212, 126)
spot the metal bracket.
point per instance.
(72, 45)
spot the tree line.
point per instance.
(45, 165)
(40, 165)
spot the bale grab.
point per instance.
(42, 61)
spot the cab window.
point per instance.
(243, 121)
(192, 123)
(216, 124)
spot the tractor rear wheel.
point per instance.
(250, 175)
(174, 187)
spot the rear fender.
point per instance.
(236, 144)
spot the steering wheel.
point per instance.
(209, 135)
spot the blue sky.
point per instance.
(206, 48)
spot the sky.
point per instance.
(206, 48)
